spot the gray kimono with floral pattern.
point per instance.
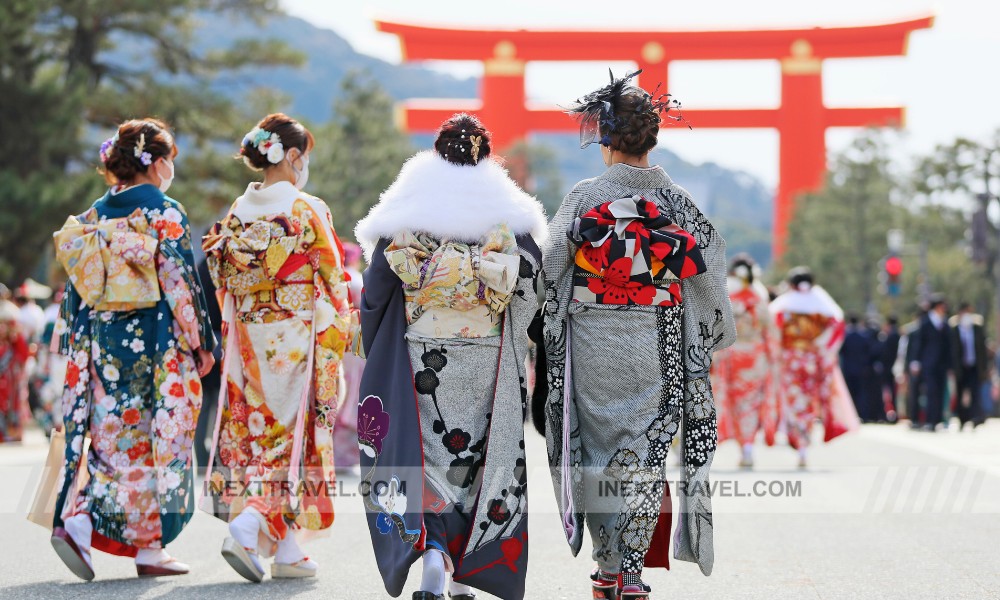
(623, 381)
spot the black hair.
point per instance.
(462, 140)
(799, 275)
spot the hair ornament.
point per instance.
(140, 151)
(267, 143)
(596, 110)
(106, 147)
(476, 140)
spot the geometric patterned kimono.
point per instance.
(743, 373)
(133, 317)
(628, 357)
(278, 268)
(810, 383)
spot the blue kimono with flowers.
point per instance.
(133, 318)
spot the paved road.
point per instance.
(884, 512)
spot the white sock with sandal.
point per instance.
(81, 529)
(434, 574)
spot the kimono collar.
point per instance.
(133, 196)
(639, 178)
(276, 193)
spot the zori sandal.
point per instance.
(77, 559)
(171, 566)
(242, 560)
(296, 570)
(603, 585)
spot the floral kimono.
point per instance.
(132, 320)
(636, 303)
(277, 264)
(742, 375)
(13, 356)
(449, 294)
(810, 383)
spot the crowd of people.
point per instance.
(782, 375)
(797, 360)
(926, 371)
(420, 376)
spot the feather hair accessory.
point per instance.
(596, 110)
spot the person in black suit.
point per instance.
(971, 364)
(888, 350)
(855, 364)
(914, 392)
(932, 360)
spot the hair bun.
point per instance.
(462, 140)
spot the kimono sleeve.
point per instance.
(175, 245)
(337, 320)
(708, 313)
(62, 335)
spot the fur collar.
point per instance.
(433, 196)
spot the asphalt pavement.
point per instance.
(884, 512)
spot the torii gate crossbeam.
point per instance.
(801, 120)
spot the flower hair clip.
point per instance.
(107, 146)
(267, 143)
(139, 152)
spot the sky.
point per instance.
(948, 81)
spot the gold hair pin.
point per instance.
(475, 139)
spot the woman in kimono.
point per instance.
(134, 325)
(13, 359)
(277, 265)
(636, 303)
(448, 296)
(742, 373)
(810, 384)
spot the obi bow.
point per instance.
(111, 263)
(455, 274)
(629, 253)
(252, 258)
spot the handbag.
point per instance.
(43, 507)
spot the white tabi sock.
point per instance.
(81, 529)
(288, 550)
(434, 573)
(747, 452)
(456, 589)
(246, 527)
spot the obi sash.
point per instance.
(111, 263)
(258, 256)
(455, 275)
(630, 253)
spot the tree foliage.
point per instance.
(72, 69)
(358, 153)
(840, 232)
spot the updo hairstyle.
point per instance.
(462, 140)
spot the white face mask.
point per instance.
(301, 176)
(166, 181)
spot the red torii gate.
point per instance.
(801, 120)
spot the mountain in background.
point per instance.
(738, 204)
